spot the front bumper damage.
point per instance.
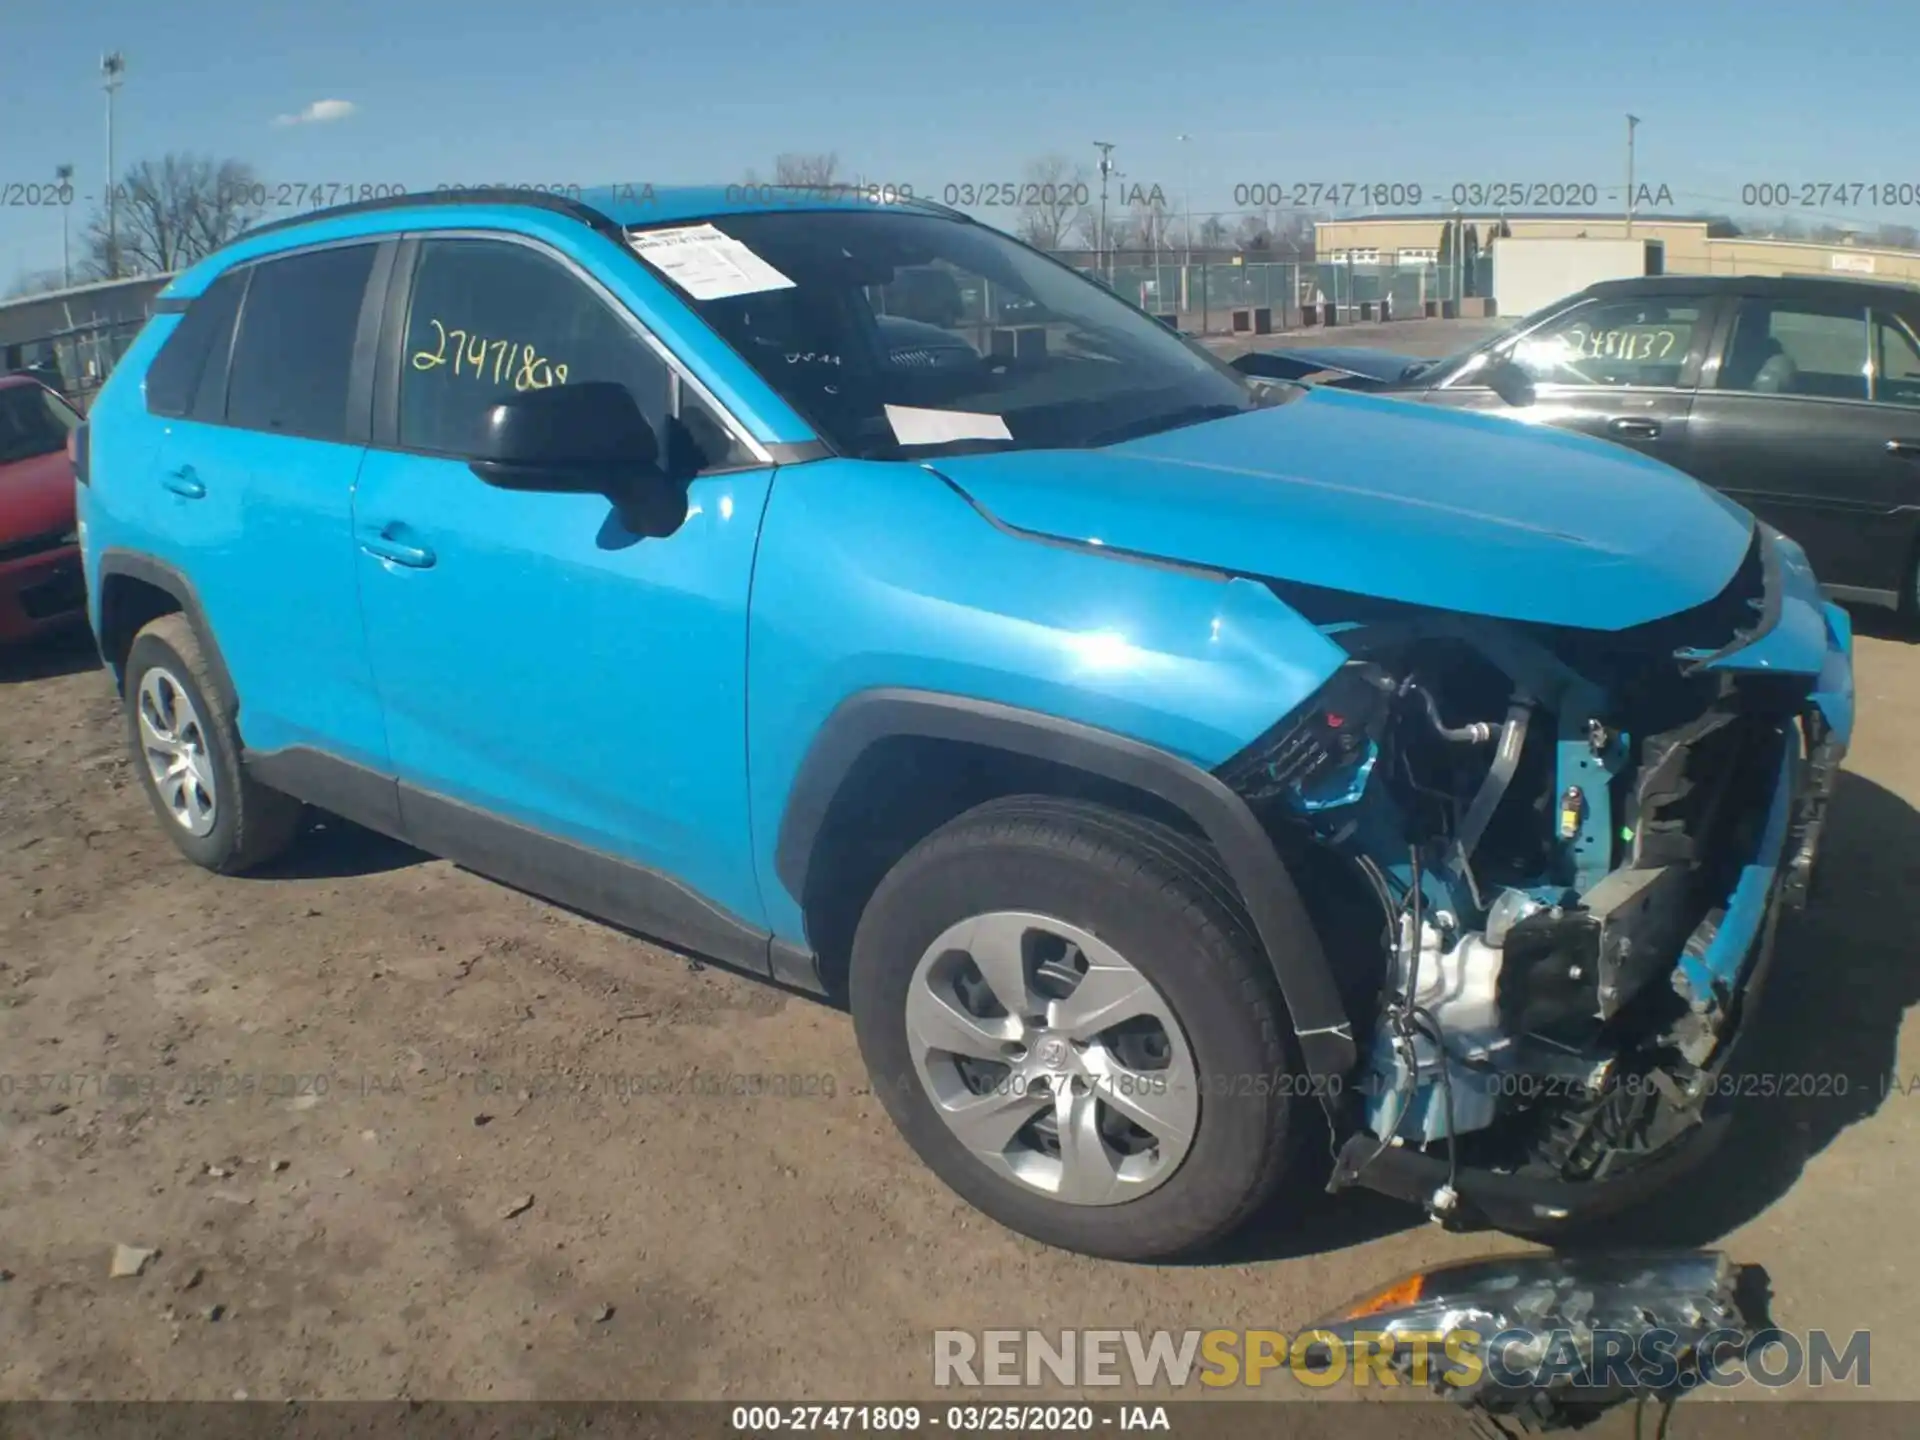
(1673, 977)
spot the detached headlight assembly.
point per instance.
(1545, 1334)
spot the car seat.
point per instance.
(1777, 375)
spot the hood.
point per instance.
(36, 496)
(1391, 499)
(1381, 366)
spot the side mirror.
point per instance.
(584, 439)
(1509, 382)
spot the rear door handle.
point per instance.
(1634, 428)
(383, 546)
(1905, 449)
(185, 482)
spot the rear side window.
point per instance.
(1896, 366)
(294, 353)
(195, 352)
(1796, 348)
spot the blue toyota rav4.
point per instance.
(1167, 767)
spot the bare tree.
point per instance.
(1284, 232)
(1056, 193)
(1212, 233)
(1150, 226)
(1897, 237)
(1085, 232)
(36, 282)
(1252, 231)
(169, 214)
(794, 168)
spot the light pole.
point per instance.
(1186, 200)
(64, 174)
(112, 67)
(1633, 122)
(1106, 168)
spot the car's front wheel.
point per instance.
(186, 750)
(1065, 1010)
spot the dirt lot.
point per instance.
(340, 1082)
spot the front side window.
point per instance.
(490, 319)
(1635, 341)
(899, 334)
(1896, 350)
(33, 421)
(294, 353)
(1798, 348)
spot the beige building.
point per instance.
(1692, 246)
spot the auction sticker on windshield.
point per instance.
(705, 263)
(914, 426)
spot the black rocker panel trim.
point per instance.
(604, 886)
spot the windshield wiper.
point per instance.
(1165, 420)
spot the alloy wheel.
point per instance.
(173, 738)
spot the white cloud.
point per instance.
(318, 113)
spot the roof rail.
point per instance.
(476, 195)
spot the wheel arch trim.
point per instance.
(134, 565)
(1266, 888)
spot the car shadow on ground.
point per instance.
(334, 849)
(1823, 1053)
(65, 652)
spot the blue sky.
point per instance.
(588, 91)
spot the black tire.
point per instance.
(1163, 900)
(252, 824)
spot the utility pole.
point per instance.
(64, 174)
(1106, 168)
(112, 67)
(1633, 122)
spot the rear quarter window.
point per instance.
(203, 335)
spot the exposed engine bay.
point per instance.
(1559, 846)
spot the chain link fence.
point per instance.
(1203, 298)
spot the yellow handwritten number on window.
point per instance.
(522, 364)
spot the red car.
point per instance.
(41, 587)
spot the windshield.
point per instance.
(33, 421)
(907, 335)
(1437, 372)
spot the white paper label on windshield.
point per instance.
(913, 426)
(705, 263)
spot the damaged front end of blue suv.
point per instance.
(1571, 761)
(1579, 840)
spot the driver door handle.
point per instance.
(384, 545)
(1905, 449)
(1634, 429)
(185, 482)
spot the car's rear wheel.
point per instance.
(1064, 1009)
(186, 751)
